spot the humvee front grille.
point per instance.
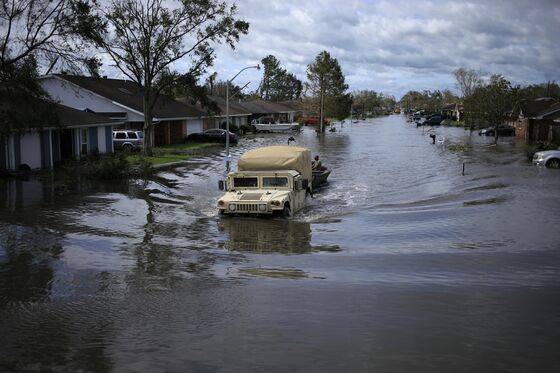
(247, 207)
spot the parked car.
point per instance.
(212, 135)
(315, 120)
(128, 140)
(547, 158)
(434, 120)
(502, 131)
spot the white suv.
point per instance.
(548, 158)
(128, 140)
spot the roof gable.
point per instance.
(130, 95)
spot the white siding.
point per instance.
(76, 97)
(31, 150)
(101, 143)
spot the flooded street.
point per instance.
(401, 264)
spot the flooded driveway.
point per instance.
(402, 264)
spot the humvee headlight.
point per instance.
(262, 207)
(231, 207)
(275, 203)
(221, 203)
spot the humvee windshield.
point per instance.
(245, 182)
(275, 182)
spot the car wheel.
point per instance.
(286, 212)
(127, 148)
(553, 163)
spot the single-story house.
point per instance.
(238, 115)
(74, 135)
(537, 120)
(123, 100)
(260, 108)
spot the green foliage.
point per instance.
(325, 78)
(490, 103)
(531, 149)
(530, 92)
(367, 103)
(38, 36)
(245, 128)
(429, 101)
(148, 38)
(277, 83)
(115, 167)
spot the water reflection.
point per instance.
(269, 235)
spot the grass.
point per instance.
(170, 153)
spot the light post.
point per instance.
(228, 160)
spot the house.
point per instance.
(75, 134)
(537, 120)
(123, 100)
(261, 108)
(453, 111)
(238, 115)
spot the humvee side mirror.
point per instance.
(221, 185)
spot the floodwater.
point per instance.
(402, 264)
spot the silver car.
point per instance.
(128, 140)
(547, 158)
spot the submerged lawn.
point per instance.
(170, 153)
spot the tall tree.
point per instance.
(38, 36)
(277, 83)
(467, 80)
(326, 83)
(490, 103)
(149, 37)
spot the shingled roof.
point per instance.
(130, 95)
(57, 115)
(266, 107)
(534, 108)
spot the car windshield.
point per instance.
(275, 182)
(245, 182)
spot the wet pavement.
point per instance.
(401, 264)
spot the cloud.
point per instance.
(396, 46)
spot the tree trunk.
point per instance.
(148, 125)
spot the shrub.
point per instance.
(245, 128)
(531, 149)
(109, 168)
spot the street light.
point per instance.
(227, 113)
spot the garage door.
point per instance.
(194, 126)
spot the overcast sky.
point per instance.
(400, 45)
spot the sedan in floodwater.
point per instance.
(502, 131)
(212, 135)
(547, 158)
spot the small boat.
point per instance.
(320, 177)
(274, 127)
(269, 124)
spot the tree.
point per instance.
(38, 36)
(490, 103)
(467, 80)
(327, 84)
(277, 84)
(149, 37)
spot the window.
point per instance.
(84, 144)
(275, 182)
(120, 135)
(245, 182)
(132, 135)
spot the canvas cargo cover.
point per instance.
(272, 158)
